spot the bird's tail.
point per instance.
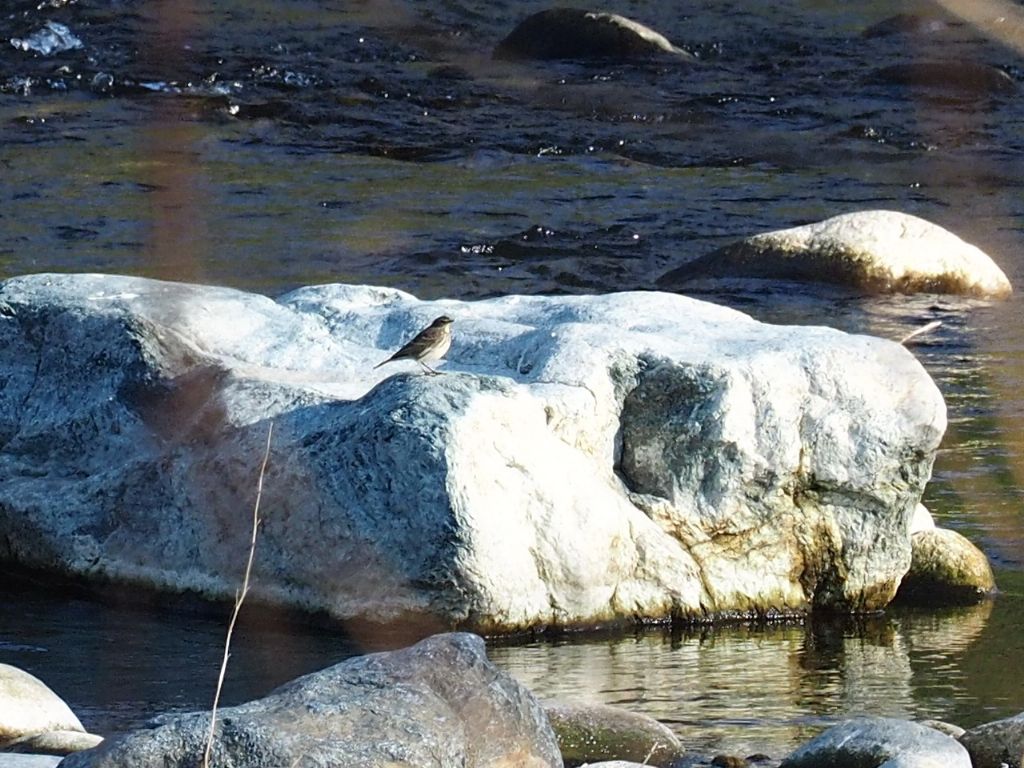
(378, 365)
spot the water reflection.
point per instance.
(765, 689)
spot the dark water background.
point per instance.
(267, 145)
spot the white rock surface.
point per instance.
(584, 459)
(877, 251)
(28, 706)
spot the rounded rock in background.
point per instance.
(996, 743)
(875, 251)
(572, 33)
(946, 569)
(590, 733)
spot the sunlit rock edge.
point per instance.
(624, 457)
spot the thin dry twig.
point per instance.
(657, 745)
(239, 598)
(922, 330)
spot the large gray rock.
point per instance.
(28, 707)
(874, 251)
(437, 704)
(880, 742)
(996, 743)
(585, 459)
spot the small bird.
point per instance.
(430, 344)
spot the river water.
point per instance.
(267, 145)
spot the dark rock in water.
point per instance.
(729, 761)
(961, 76)
(571, 33)
(438, 703)
(996, 743)
(907, 24)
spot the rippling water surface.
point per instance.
(267, 145)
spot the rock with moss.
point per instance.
(872, 251)
(591, 733)
(946, 569)
(572, 33)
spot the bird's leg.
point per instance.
(430, 371)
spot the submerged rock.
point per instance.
(28, 707)
(907, 24)
(997, 743)
(54, 37)
(571, 33)
(950, 729)
(871, 742)
(634, 456)
(965, 77)
(591, 733)
(873, 251)
(946, 569)
(438, 703)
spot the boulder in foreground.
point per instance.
(871, 251)
(436, 704)
(583, 460)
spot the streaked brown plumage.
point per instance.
(430, 344)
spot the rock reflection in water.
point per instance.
(766, 689)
